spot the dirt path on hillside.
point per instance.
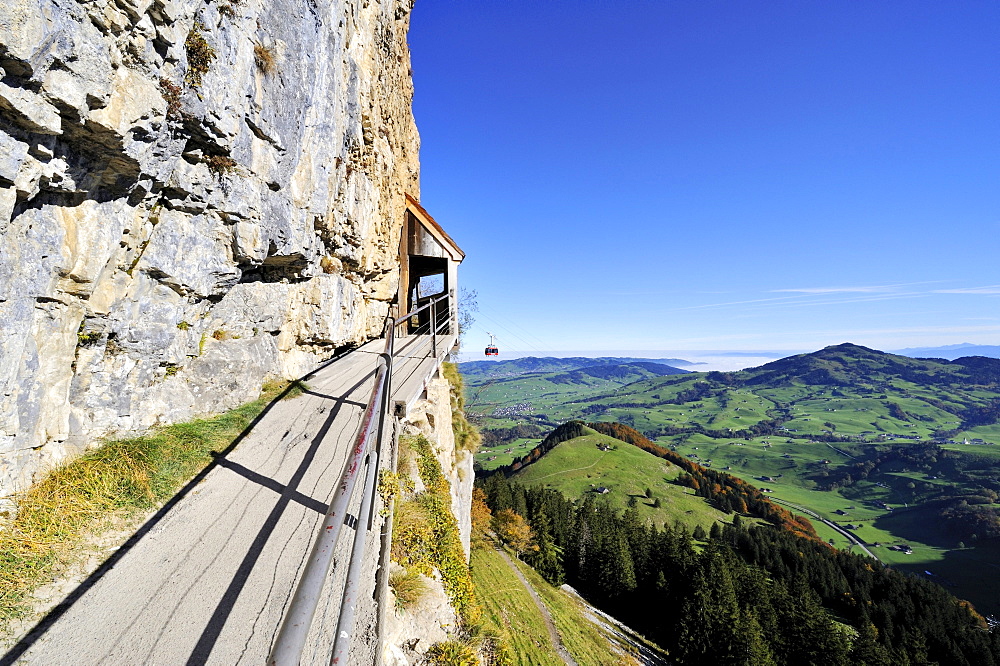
(553, 634)
(575, 469)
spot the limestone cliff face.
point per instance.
(195, 197)
(409, 633)
(431, 417)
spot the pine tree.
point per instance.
(547, 557)
(867, 650)
(616, 573)
(753, 648)
(709, 627)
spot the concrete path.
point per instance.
(207, 578)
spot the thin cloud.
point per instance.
(836, 290)
(857, 299)
(862, 289)
(878, 338)
(726, 304)
(939, 330)
(994, 289)
(801, 300)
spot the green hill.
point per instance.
(583, 465)
(856, 366)
(531, 364)
(839, 394)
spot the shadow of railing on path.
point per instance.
(210, 635)
(53, 616)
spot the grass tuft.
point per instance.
(452, 653)
(409, 587)
(285, 390)
(467, 437)
(220, 165)
(266, 58)
(171, 93)
(425, 533)
(117, 481)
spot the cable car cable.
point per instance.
(520, 337)
(512, 334)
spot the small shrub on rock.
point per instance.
(200, 55)
(265, 57)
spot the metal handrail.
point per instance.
(291, 638)
(442, 297)
(434, 326)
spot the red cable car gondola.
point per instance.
(491, 349)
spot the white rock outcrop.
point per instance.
(409, 633)
(167, 245)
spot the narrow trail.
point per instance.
(575, 469)
(553, 634)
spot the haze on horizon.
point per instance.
(715, 175)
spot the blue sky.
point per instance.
(716, 175)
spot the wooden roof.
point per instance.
(434, 228)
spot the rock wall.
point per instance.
(431, 416)
(195, 196)
(411, 632)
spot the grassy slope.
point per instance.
(115, 482)
(588, 645)
(577, 466)
(508, 607)
(513, 614)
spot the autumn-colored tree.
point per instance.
(481, 515)
(513, 530)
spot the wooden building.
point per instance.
(428, 260)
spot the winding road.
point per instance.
(850, 537)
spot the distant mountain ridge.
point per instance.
(903, 449)
(848, 364)
(951, 352)
(535, 364)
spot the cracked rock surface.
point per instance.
(195, 197)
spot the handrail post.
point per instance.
(434, 326)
